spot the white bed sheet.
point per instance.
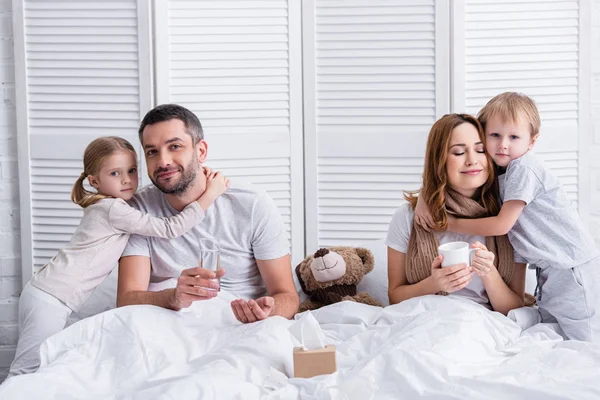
(432, 347)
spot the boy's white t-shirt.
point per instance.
(245, 221)
(399, 234)
(549, 231)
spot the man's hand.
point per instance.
(253, 310)
(195, 284)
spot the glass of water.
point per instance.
(210, 257)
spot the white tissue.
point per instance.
(308, 332)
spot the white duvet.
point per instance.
(431, 347)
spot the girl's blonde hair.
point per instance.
(512, 107)
(435, 175)
(93, 157)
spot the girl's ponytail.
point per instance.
(78, 192)
(82, 197)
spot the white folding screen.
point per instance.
(537, 47)
(81, 73)
(376, 77)
(237, 66)
(367, 78)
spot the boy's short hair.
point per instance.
(512, 106)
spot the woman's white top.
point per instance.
(399, 234)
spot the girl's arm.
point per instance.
(447, 279)
(491, 226)
(503, 297)
(126, 219)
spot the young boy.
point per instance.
(541, 224)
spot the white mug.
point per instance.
(456, 253)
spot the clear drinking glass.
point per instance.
(210, 256)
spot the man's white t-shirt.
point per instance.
(399, 234)
(245, 221)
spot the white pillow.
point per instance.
(376, 282)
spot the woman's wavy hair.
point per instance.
(93, 157)
(435, 175)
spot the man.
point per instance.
(254, 246)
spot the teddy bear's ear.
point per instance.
(367, 258)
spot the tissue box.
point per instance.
(309, 363)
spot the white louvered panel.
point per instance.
(358, 197)
(230, 63)
(530, 47)
(82, 67)
(565, 166)
(55, 165)
(82, 81)
(375, 103)
(54, 216)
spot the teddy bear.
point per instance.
(331, 275)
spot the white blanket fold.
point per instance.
(433, 346)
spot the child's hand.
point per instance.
(423, 217)
(216, 183)
(483, 260)
(207, 170)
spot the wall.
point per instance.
(10, 269)
(595, 122)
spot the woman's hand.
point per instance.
(483, 260)
(449, 279)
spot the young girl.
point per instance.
(541, 223)
(68, 280)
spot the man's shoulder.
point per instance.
(242, 191)
(146, 197)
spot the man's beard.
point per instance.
(188, 175)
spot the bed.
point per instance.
(433, 347)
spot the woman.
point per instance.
(458, 179)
